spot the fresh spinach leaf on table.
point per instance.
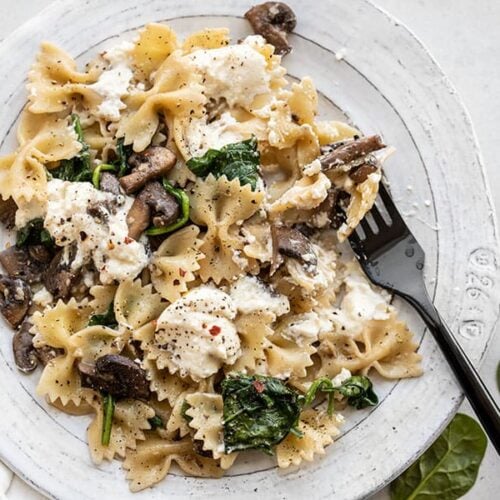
(448, 469)
(239, 160)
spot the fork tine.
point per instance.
(377, 217)
(366, 228)
(389, 204)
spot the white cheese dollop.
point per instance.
(104, 239)
(303, 329)
(251, 295)
(43, 297)
(114, 83)
(236, 72)
(198, 334)
(202, 136)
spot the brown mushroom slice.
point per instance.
(116, 375)
(110, 183)
(351, 151)
(335, 206)
(361, 173)
(154, 162)
(47, 353)
(18, 263)
(40, 253)
(59, 278)
(164, 206)
(273, 20)
(24, 352)
(138, 218)
(8, 209)
(290, 242)
(15, 299)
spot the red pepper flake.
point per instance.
(182, 272)
(258, 386)
(214, 331)
(128, 240)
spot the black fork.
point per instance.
(393, 259)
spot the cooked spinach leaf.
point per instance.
(259, 412)
(236, 161)
(156, 422)
(107, 319)
(96, 174)
(77, 169)
(122, 152)
(358, 390)
(34, 233)
(184, 408)
(183, 201)
(448, 469)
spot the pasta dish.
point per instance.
(180, 271)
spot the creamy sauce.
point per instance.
(198, 334)
(303, 329)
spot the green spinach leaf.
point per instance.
(156, 422)
(34, 233)
(77, 169)
(236, 161)
(184, 408)
(259, 412)
(107, 319)
(122, 152)
(107, 424)
(358, 390)
(448, 469)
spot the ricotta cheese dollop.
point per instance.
(250, 295)
(95, 223)
(197, 333)
(114, 82)
(237, 73)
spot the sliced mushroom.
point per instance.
(18, 263)
(24, 351)
(153, 202)
(40, 253)
(8, 209)
(361, 173)
(151, 164)
(15, 299)
(290, 242)
(58, 277)
(117, 375)
(47, 353)
(273, 20)
(110, 183)
(335, 206)
(350, 151)
(138, 218)
(163, 205)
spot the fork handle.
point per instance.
(474, 388)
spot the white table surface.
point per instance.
(464, 38)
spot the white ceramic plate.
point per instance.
(386, 83)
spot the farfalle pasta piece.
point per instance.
(318, 429)
(176, 91)
(130, 421)
(152, 459)
(136, 305)
(221, 205)
(155, 43)
(23, 176)
(94, 342)
(253, 330)
(384, 345)
(54, 81)
(209, 38)
(174, 263)
(54, 327)
(102, 295)
(363, 197)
